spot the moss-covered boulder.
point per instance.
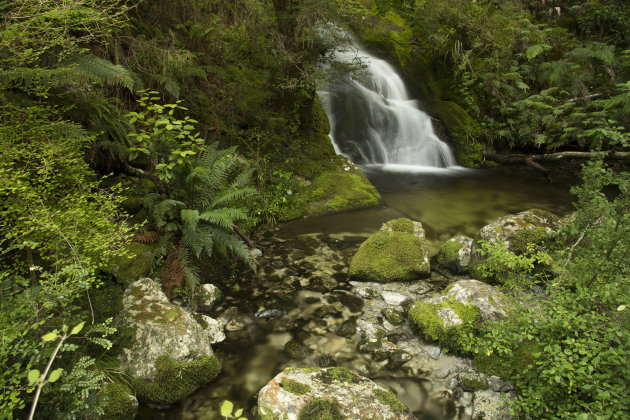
(447, 322)
(448, 317)
(455, 254)
(516, 232)
(327, 393)
(175, 380)
(343, 187)
(135, 264)
(118, 402)
(397, 252)
(168, 344)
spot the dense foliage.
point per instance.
(193, 105)
(578, 334)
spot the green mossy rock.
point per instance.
(343, 188)
(321, 409)
(534, 227)
(455, 254)
(397, 252)
(176, 380)
(327, 394)
(118, 401)
(447, 322)
(134, 266)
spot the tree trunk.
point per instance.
(533, 160)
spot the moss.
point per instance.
(389, 399)
(294, 387)
(118, 402)
(449, 253)
(335, 191)
(471, 381)
(135, 265)
(425, 317)
(393, 316)
(106, 300)
(521, 241)
(463, 132)
(321, 409)
(389, 256)
(505, 366)
(176, 380)
(338, 374)
(402, 224)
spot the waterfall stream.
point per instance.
(374, 122)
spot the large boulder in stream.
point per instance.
(449, 316)
(332, 393)
(516, 232)
(397, 252)
(170, 354)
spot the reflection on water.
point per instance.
(461, 201)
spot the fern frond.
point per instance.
(147, 238)
(535, 50)
(160, 209)
(231, 196)
(107, 72)
(189, 218)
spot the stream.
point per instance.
(302, 295)
(301, 311)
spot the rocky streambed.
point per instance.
(302, 311)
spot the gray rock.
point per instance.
(397, 358)
(393, 316)
(207, 296)
(489, 405)
(491, 303)
(499, 385)
(393, 298)
(347, 328)
(351, 395)
(161, 328)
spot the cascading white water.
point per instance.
(373, 121)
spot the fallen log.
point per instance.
(533, 160)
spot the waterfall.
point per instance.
(374, 122)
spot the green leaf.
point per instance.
(226, 408)
(238, 412)
(50, 336)
(55, 375)
(33, 376)
(77, 329)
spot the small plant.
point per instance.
(227, 408)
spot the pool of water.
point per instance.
(304, 275)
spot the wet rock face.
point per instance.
(161, 328)
(336, 393)
(397, 252)
(455, 254)
(516, 232)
